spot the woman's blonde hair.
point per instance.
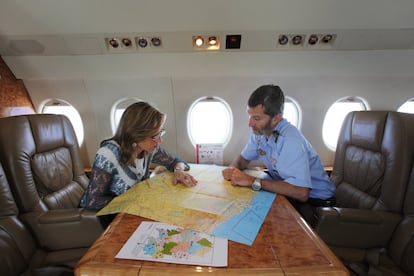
(139, 121)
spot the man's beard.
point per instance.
(266, 130)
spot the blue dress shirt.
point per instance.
(288, 156)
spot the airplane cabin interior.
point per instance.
(69, 70)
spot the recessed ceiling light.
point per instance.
(198, 41)
(212, 40)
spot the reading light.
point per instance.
(212, 40)
(198, 41)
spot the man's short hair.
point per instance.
(271, 97)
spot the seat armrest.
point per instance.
(64, 228)
(357, 228)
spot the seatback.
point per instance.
(16, 244)
(41, 158)
(401, 248)
(371, 165)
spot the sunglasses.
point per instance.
(159, 135)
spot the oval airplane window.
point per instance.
(118, 109)
(58, 106)
(335, 116)
(210, 121)
(407, 107)
(292, 112)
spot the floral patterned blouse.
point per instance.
(110, 178)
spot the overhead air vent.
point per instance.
(118, 44)
(302, 41)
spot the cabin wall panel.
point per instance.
(105, 93)
(74, 92)
(173, 81)
(94, 99)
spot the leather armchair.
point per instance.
(371, 171)
(41, 158)
(19, 250)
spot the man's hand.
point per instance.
(237, 177)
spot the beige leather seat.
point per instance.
(372, 167)
(41, 159)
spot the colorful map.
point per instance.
(214, 206)
(160, 242)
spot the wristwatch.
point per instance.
(257, 185)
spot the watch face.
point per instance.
(256, 185)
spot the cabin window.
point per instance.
(58, 106)
(210, 121)
(335, 117)
(292, 112)
(118, 109)
(407, 107)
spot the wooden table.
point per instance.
(285, 245)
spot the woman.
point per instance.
(124, 160)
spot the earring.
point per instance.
(134, 145)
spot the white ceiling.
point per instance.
(79, 27)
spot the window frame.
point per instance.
(79, 129)
(229, 123)
(337, 125)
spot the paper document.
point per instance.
(214, 206)
(161, 242)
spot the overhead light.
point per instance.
(212, 40)
(206, 42)
(198, 41)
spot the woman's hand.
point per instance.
(185, 178)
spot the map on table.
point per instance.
(160, 242)
(213, 206)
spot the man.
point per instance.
(293, 165)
